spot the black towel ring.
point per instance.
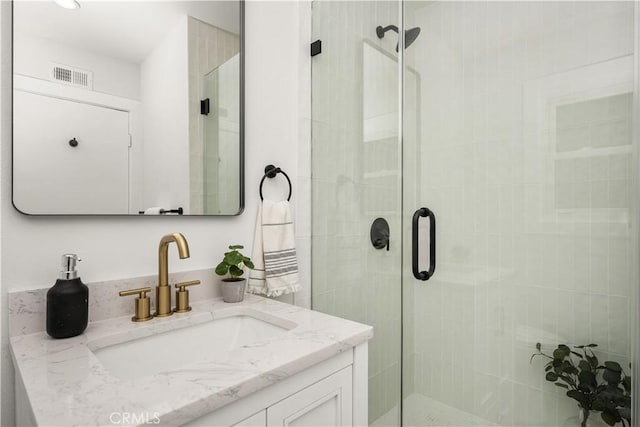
(271, 171)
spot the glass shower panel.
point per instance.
(221, 136)
(356, 173)
(527, 158)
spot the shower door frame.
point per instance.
(635, 404)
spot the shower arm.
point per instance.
(380, 30)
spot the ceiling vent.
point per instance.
(71, 76)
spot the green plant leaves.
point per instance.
(613, 366)
(609, 418)
(580, 397)
(559, 353)
(625, 413)
(593, 360)
(222, 269)
(233, 258)
(247, 261)
(587, 381)
(599, 405)
(232, 261)
(235, 271)
(568, 368)
(551, 376)
(603, 388)
(612, 377)
(583, 365)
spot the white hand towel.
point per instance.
(274, 251)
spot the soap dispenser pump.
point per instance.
(67, 302)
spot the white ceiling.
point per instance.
(126, 30)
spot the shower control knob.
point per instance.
(380, 233)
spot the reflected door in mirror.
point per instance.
(73, 166)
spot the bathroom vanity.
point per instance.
(255, 363)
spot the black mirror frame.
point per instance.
(241, 141)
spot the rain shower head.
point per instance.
(410, 35)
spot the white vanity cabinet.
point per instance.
(328, 402)
(312, 371)
(330, 394)
(255, 420)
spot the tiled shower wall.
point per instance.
(209, 48)
(527, 157)
(356, 178)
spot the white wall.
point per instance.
(165, 118)
(118, 247)
(33, 56)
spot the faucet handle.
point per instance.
(182, 285)
(143, 303)
(182, 296)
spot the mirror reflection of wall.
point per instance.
(124, 80)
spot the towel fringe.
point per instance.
(274, 292)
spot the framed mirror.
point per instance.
(128, 107)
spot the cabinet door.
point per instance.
(325, 403)
(256, 420)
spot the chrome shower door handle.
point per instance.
(423, 275)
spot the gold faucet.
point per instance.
(163, 290)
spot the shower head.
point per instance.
(410, 35)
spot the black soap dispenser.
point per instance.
(67, 302)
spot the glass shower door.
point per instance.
(356, 173)
(221, 136)
(519, 139)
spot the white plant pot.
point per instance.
(233, 290)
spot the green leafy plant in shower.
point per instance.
(600, 388)
(233, 262)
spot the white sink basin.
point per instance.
(171, 350)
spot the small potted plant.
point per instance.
(232, 264)
(602, 388)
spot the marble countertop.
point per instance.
(67, 385)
